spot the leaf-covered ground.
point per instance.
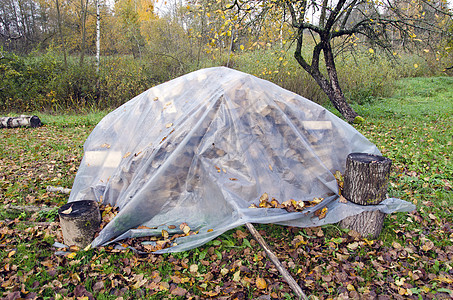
(412, 259)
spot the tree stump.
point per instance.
(365, 183)
(21, 121)
(79, 221)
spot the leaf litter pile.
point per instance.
(412, 259)
(291, 205)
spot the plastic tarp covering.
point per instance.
(203, 147)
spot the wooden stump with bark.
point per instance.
(365, 183)
(79, 221)
(21, 121)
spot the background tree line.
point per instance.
(342, 51)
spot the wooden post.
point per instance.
(22, 121)
(365, 183)
(79, 221)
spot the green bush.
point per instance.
(41, 82)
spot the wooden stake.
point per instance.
(286, 275)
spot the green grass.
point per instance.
(411, 259)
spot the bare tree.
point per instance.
(326, 21)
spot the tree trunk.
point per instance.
(60, 31)
(83, 28)
(79, 221)
(98, 38)
(365, 183)
(22, 121)
(335, 93)
(330, 87)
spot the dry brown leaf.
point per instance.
(342, 199)
(321, 213)
(143, 227)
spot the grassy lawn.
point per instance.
(413, 258)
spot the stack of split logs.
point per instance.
(21, 121)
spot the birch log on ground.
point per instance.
(365, 183)
(21, 121)
(79, 221)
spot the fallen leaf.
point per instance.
(74, 248)
(143, 227)
(178, 291)
(342, 199)
(353, 246)
(428, 245)
(164, 234)
(67, 211)
(261, 283)
(193, 268)
(127, 155)
(321, 213)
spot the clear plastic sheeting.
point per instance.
(203, 147)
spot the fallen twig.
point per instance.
(289, 279)
(27, 208)
(58, 189)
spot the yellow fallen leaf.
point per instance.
(164, 234)
(127, 155)
(237, 276)
(71, 255)
(210, 230)
(186, 229)
(67, 211)
(261, 283)
(321, 213)
(11, 253)
(444, 280)
(169, 125)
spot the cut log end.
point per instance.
(365, 183)
(79, 221)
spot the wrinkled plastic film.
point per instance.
(203, 147)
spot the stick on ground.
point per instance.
(289, 279)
